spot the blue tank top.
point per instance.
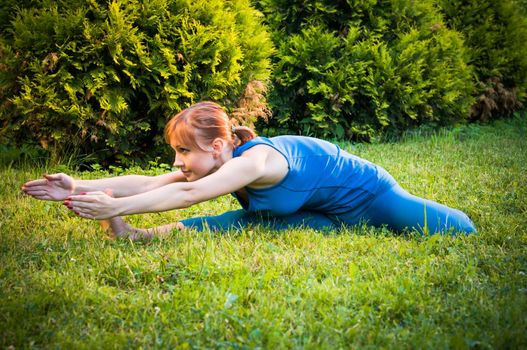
(321, 177)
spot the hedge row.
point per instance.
(496, 34)
(102, 77)
(356, 68)
(352, 69)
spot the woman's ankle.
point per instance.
(116, 227)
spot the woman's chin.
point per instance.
(191, 177)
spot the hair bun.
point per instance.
(243, 134)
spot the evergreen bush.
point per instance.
(496, 34)
(354, 68)
(104, 76)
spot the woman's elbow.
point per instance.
(189, 198)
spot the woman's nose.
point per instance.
(178, 163)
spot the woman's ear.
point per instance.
(218, 145)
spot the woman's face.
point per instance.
(194, 162)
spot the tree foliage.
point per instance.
(354, 68)
(105, 75)
(496, 34)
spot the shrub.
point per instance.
(352, 69)
(104, 76)
(496, 33)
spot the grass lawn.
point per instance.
(63, 285)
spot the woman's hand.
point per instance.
(54, 187)
(93, 205)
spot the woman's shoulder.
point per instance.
(259, 140)
(306, 145)
(290, 144)
(289, 140)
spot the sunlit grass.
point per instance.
(63, 285)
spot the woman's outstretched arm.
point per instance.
(58, 187)
(129, 185)
(232, 176)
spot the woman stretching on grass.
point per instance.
(281, 182)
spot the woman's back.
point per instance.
(322, 177)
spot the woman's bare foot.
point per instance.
(118, 228)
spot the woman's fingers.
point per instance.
(35, 188)
(44, 181)
(87, 213)
(81, 205)
(91, 205)
(36, 193)
(88, 197)
(53, 177)
(82, 211)
(39, 182)
(45, 197)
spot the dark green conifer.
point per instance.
(104, 76)
(496, 34)
(354, 68)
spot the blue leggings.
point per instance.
(396, 208)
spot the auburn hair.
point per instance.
(205, 121)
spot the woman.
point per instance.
(282, 182)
